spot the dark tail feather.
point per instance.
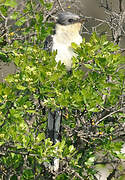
(54, 128)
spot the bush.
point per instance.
(92, 104)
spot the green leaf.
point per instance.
(88, 66)
(4, 57)
(20, 87)
(74, 45)
(94, 109)
(40, 137)
(71, 149)
(21, 21)
(31, 111)
(11, 3)
(42, 2)
(90, 161)
(14, 15)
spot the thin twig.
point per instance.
(100, 120)
(60, 5)
(2, 15)
(50, 13)
(120, 5)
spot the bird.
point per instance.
(67, 31)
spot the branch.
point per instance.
(109, 115)
(106, 6)
(120, 5)
(60, 5)
(3, 153)
(2, 15)
(50, 13)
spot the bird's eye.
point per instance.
(70, 20)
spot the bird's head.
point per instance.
(69, 24)
(68, 18)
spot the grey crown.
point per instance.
(66, 18)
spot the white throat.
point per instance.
(62, 40)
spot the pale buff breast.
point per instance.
(62, 40)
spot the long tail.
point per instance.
(54, 130)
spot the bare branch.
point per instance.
(60, 5)
(120, 5)
(2, 15)
(109, 115)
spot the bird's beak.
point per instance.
(82, 19)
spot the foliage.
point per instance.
(92, 104)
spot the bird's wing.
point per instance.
(48, 44)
